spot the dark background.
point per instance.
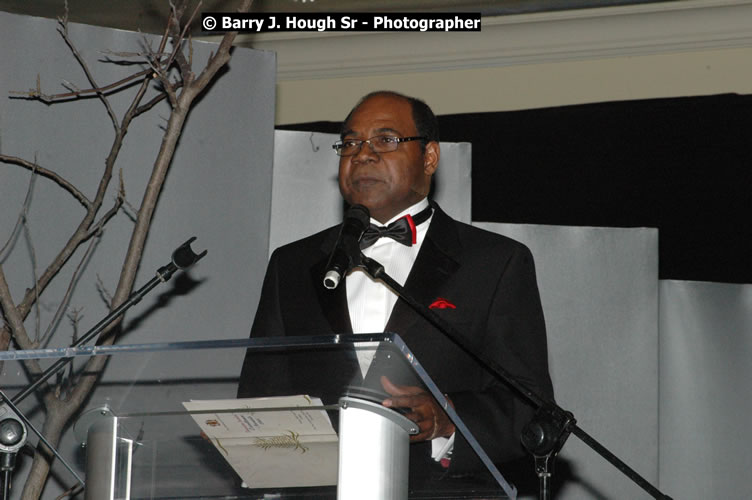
(679, 164)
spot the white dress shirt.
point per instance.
(371, 301)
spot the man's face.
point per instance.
(386, 183)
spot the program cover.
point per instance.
(272, 442)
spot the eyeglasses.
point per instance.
(378, 144)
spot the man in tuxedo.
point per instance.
(481, 283)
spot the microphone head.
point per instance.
(359, 213)
(184, 256)
(331, 280)
(346, 252)
(356, 221)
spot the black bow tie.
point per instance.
(402, 230)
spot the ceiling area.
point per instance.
(149, 15)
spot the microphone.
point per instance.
(347, 249)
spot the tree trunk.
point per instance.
(40, 467)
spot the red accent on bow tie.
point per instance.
(440, 303)
(412, 228)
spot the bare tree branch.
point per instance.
(71, 86)
(177, 39)
(146, 107)
(223, 53)
(61, 405)
(97, 227)
(63, 30)
(14, 320)
(162, 75)
(129, 55)
(23, 223)
(50, 98)
(81, 234)
(75, 490)
(66, 297)
(21, 215)
(103, 292)
(33, 259)
(63, 183)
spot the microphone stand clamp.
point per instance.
(543, 437)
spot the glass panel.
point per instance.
(168, 447)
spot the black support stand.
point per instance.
(182, 258)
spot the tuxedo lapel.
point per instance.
(333, 303)
(435, 264)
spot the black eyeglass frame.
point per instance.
(337, 146)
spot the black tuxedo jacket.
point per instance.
(490, 281)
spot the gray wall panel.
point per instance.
(600, 296)
(706, 369)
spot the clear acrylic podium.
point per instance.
(140, 437)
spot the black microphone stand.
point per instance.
(546, 433)
(13, 424)
(182, 258)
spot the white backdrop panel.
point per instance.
(218, 189)
(599, 291)
(305, 194)
(705, 383)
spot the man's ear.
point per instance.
(431, 158)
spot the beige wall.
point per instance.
(691, 47)
(529, 86)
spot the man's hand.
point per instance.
(432, 421)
